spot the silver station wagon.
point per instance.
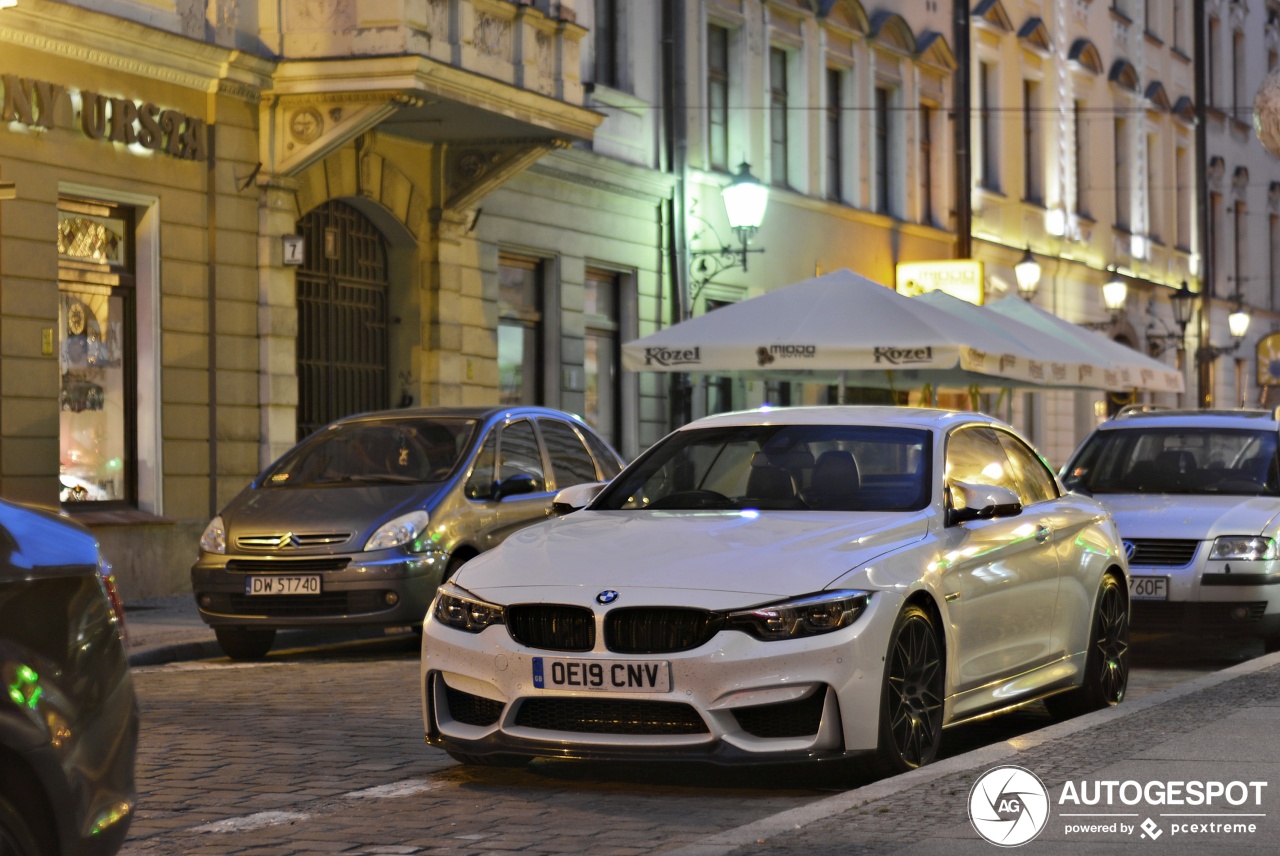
(360, 522)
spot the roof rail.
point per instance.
(1131, 409)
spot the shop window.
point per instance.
(520, 329)
(601, 299)
(97, 358)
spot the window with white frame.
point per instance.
(885, 144)
(607, 40)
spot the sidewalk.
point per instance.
(1218, 728)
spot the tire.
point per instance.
(245, 643)
(1270, 644)
(489, 760)
(911, 694)
(1106, 668)
(16, 837)
(455, 562)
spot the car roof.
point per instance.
(845, 414)
(480, 412)
(1263, 420)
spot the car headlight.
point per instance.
(1247, 548)
(810, 615)
(214, 539)
(466, 613)
(405, 529)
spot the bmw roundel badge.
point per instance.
(607, 596)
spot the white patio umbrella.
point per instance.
(1114, 367)
(839, 325)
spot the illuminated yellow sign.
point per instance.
(961, 278)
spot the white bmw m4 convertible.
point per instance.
(780, 585)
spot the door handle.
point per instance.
(1043, 533)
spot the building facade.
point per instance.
(232, 222)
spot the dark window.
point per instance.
(884, 152)
(835, 135)
(1121, 174)
(778, 116)
(1033, 169)
(1215, 240)
(518, 453)
(571, 463)
(1241, 247)
(601, 297)
(718, 96)
(606, 36)
(480, 482)
(519, 330)
(926, 164)
(988, 128)
(1183, 179)
(1081, 158)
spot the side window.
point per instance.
(1034, 481)
(518, 454)
(480, 484)
(606, 461)
(570, 461)
(974, 455)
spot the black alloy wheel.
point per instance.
(911, 699)
(1106, 670)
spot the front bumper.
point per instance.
(383, 589)
(733, 700)
(1228, 598)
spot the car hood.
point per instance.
(356, 508)
(672, 555)
(1202, 517)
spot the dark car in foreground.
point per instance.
(68, 715)
(359, 523)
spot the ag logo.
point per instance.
(1008, 806)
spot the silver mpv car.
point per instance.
(360, 522)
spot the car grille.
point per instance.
(609, 716)
(799, 718)
(328, 603)
(292, 540)
(1162, 553)
(658, 630)
(288, 566)
(1152, 615)
(552, 627)
(472, 709)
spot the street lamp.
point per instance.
(1027, 272)
(1181, 302)
(1115, 294)
(745, 199)
(1238, 324)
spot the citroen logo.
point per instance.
(607, 596)
(288, 539)
(1129, 548)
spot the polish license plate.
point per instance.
(1148, 588)
(281, 584)
(615, 676)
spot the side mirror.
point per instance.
(981, 502)
(574, 498)
(514, 485)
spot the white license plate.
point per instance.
(1148, 588)
(281, 584)
(616, 676)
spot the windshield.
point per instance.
(788, 467)
(1177, 460)
(407, 451)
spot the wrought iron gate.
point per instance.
(342, 317)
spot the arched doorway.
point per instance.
(342, 317)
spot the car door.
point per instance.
(519, 454)
(1001, 574)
